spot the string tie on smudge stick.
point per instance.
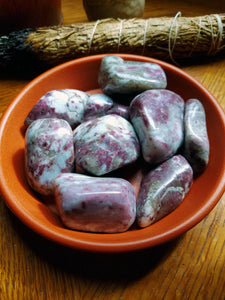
(216, 37)
(120, 33)
(197, 37)
(145, 34)
(172, 41)
(92, 36)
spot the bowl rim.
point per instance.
(32, 222)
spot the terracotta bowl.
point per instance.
(81, 74)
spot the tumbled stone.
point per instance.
(118, 76)
(96, 106)
(49, 151)
(95, 204)
(121, 110)
(67, 104)
(157, 116)
(105, 144)
(196, 141)
(163, 189)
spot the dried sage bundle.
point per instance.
(166, 38)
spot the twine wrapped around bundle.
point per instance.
(166, 38)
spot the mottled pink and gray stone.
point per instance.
(121, 110)
(49, 151)
(196, 141)
(67, 104)
(105, 144)
(163, 189)
(96, 106)
(118, 76)
(157, 116)
(95, 204)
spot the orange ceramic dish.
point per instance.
(81, 74)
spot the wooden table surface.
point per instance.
(190, 267)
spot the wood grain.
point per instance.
(190, 267)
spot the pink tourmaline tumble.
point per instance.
(97, 106)
(105, 144)
(163, 189)
(157, 116)
(118, 76)
(196, 141)
(95, 204)
(67, 104)
(49, 151)
(121, 110)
